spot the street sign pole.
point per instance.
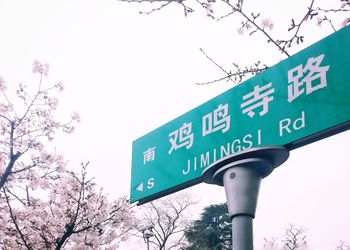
(241, 176)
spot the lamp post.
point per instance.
(241, 174)
(147, 234)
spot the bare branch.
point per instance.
(296, 26)
(168, 219)
(239, 74)
(155, 9)
(343, 246)
(217, 65)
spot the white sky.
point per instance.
(127, 74)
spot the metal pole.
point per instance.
(147, 234)
(242, 232)
(241, 175)
(242, 185)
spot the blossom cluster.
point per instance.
(42, 204)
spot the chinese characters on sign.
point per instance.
(181, 137)
(259, 98)
(314, 80)
(302, 79)
(302, 99)
(149, 155)
(221, 120)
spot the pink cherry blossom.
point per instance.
(4, 108)
(209, 8)
(240, 31)
(3, 86)
(52, 102)
(267, 23)
(40, 68)
(59, 86)
(68, 129)
(345, 22)
(319, 21)
(40, 146)
(42, 204)
(76, 117)
(344, 4)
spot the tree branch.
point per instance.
(14, 221)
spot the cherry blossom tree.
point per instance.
(74, 215)
(43, 205)
(249, 21)
(26, 127)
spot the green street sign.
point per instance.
(298, 101)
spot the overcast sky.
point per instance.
(127, 74)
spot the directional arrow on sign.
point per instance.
(140, 187)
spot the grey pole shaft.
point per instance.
(242, 187)
(242, 232)
(241, 175)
